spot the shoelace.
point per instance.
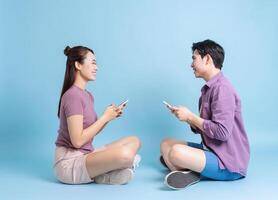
(136, 161)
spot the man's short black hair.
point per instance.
(210, 47)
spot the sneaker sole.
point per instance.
(178, 180)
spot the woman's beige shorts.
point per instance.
(70, 166)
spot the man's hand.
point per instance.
(182, 113)
(185, 115)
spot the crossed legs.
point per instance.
(116, 155)
(178, 155)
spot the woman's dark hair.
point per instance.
(213, 49)
(74, 54)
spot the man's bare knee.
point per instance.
(177, 154)
(165, 143)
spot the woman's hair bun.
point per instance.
(67, 50)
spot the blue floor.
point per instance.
(20, 183)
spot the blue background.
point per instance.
(143, 51)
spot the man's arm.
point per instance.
(221, 123)
(195, 121)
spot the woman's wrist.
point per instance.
(104, 118)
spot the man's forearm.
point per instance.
(195, 120)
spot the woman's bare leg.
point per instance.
(133, 140)
(117, 155)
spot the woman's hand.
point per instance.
(112, 112)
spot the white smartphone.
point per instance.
(168, 105)
(123, 104)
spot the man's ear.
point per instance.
(77, 65)
(208, 59)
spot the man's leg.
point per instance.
(165, 147)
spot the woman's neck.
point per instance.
(79, 82)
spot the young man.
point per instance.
(224, 151)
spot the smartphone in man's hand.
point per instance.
(168, 105)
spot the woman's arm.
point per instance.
(80, 136)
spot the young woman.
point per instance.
(76, 160)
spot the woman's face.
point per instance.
(88, 69)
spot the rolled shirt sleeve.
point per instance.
(222, 114)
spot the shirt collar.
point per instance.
(212, 81)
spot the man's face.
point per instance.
(198, 64)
